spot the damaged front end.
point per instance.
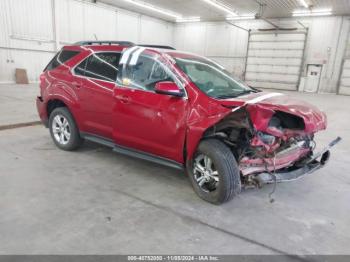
(273, 143)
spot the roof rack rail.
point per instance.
(159, 46)
(125, 43)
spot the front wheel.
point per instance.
(214, 172)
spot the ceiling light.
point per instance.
(154, 8)
(314, 14)
(241, 17)
(313, 11)
(221, 6)
(317, 12)
(188, 19)
(303, 3)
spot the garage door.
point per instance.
(344, 87)
(275, 59)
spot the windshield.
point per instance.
(212, 79)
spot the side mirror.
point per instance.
(168, 88)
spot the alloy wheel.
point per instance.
(205, 173)
(61, 129)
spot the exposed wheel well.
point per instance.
(234, 130)
(53, 104)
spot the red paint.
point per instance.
(168, 88)
(150, 122)
(160, 124)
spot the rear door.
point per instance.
(144, 120)
(95, 80)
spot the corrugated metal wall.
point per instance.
(27, 38)
(227, 44)
(29, 30)
(221, 42)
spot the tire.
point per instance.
(67, 143)
(224, 180)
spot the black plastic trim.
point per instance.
(159, 46)
(97, 139)
(123, 43)
(132, 152)
(147, 157)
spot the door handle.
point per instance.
(124, 99)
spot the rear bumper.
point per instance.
(41, 107)
(309, 166)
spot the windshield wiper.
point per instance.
(255, 90)
(246, 92)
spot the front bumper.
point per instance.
(309, 166)
(41, 107)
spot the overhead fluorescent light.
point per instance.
(241, 17)
(315, 12)
(221, 6)
(325, 10)
(303, 3)
(154, 8)
(188, 19)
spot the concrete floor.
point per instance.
(17, 103)
(94, 201)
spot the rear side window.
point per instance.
(80, 69)
(61, 58)
(103, 66)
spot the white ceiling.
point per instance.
(272, 9)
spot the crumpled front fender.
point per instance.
(197, 126)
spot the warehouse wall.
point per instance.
(326, 45)
(221, 42)
(33, 30)
(227, 44)
(344, 81)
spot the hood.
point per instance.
(263, 106)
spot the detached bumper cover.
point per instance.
(316, 162)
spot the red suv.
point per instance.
(180, 110)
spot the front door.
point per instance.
(144, 120)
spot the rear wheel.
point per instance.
(214, 173)
(64, 130)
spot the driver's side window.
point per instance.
(145, 74)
